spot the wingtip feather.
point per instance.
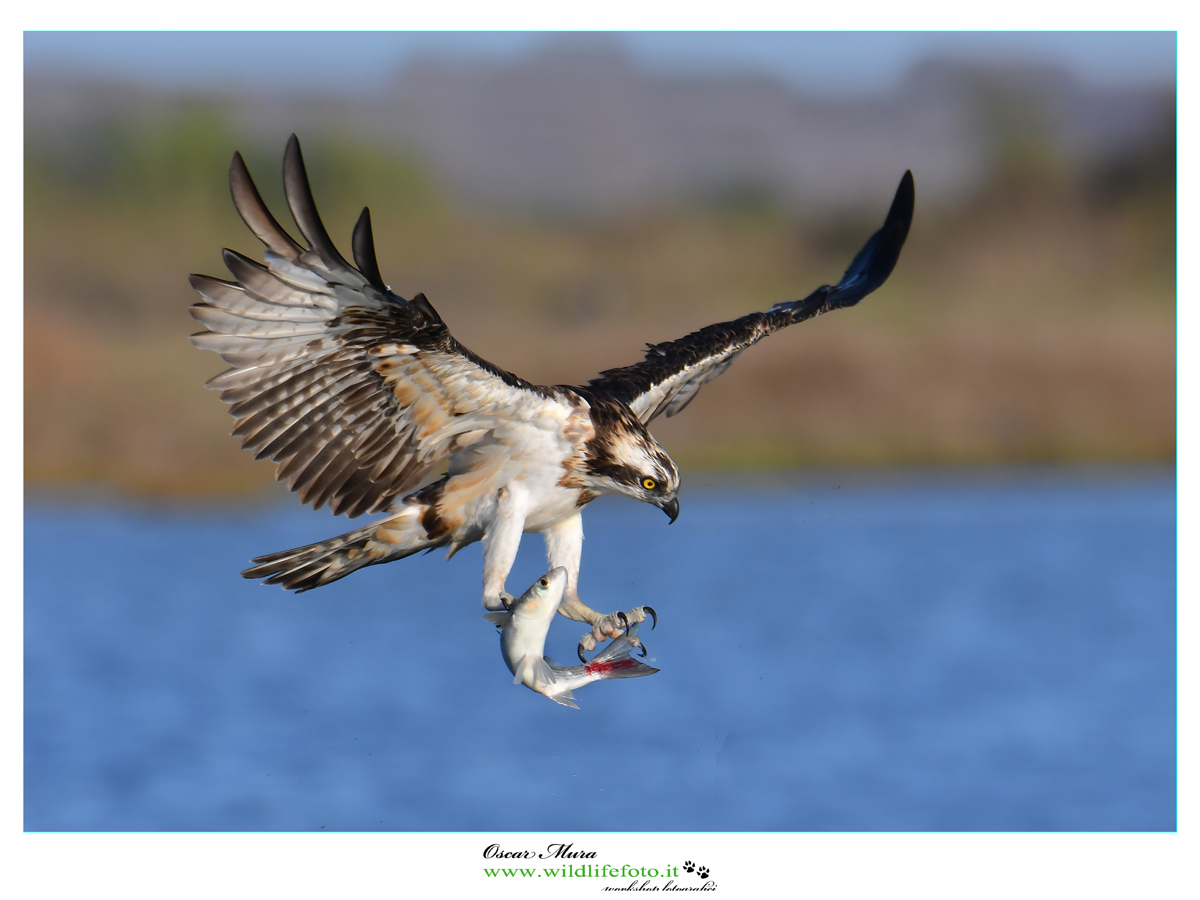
(250, 206)
(362, 245)
(903, 204)
(304, 208)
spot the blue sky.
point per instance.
(821, 62)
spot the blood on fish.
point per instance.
(602, 668)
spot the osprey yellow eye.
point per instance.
(649, 484)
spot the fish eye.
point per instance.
(544, 582)
(649, 484)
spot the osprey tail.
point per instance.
(305, 568)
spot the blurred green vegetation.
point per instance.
(1033, 322)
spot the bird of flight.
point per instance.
(359, 395)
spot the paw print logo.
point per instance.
(689, 866)
(702, 872)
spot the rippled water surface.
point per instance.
(907, 654)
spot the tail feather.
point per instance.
(304, 568)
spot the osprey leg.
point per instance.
(564, 547)
(501, 542)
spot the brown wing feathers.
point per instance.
(305, 390)
(356, 393)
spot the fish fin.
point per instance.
(500, 619)
(552, 664)
(566, 698)
(536, 667)
(541, 671)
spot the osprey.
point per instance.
(359, 395)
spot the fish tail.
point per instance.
(617, 659)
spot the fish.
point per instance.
(523, 628)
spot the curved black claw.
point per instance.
(624, 619)
(653, 615)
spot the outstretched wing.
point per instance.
(355, 392)
(671, 375)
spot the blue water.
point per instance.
(901, 655)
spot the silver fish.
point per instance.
(523, 628)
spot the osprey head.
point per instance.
(623, 458)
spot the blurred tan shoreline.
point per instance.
(1032, 322)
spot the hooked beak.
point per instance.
(671, 508)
